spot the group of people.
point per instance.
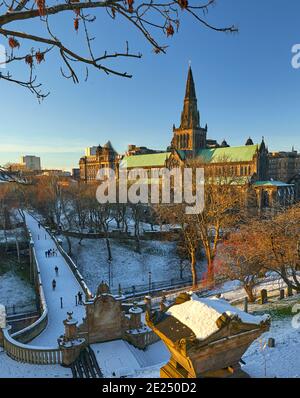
(51, 253)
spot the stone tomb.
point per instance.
(206, 337)
(105, 320)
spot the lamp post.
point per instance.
(149, 280)
(109, 274)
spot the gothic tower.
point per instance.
(189, 136)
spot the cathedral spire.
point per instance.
(190, 115)
(190, 92)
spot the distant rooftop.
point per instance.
(271, 183)
(148, 160)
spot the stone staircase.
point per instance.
(86, 366)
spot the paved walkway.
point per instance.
(66, 286)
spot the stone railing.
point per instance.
(141, 340)
(170, 236)
(32, 331)
(14, 344)
(68, 260)
(30, 354)
(74, 269)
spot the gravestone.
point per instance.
(246, 304)
(281, 294)
(271, 342)
(263, 296)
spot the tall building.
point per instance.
(91, 151)
(249, 163)
(32, 163)
(285, 166)
(189, 136)
(104, 157)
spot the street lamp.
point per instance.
(109, 274)
(150, 276)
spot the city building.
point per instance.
(90, 151)
(285, 166)
(251, 164)
(56, 173)
(32, 163)
(140, 150)
(104, 157)
(75, 173)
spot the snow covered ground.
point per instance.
(283, 360)
(12, 369)
(119, 358)
(12, 235)
(127, 267)
(15, 291)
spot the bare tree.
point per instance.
(276, 241)
(149, 19)
(174, 214)
(236, 261)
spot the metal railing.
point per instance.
(17, 309)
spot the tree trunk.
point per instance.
(108, 249)
(250, 294)
(210, 268)
(193, 269)
(138, 244)
(181, 269)
(18, 250)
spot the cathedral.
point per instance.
(248, 163)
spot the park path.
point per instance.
(67, 286)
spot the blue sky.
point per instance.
(245, 86)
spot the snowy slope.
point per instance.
(283, 360)
(127, 267)
(15, 291)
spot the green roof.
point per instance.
(149, 160)
(271, 183)
(228, 154)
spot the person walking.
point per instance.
(79, 298)
(56, 270)
(39, 224)
(46, 253)
(53, 284)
